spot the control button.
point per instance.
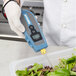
(65, 0)
(31, 27)
(33, 31)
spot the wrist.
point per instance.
(5, 1)
(18, 1)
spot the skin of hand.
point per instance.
(18, 1)
(13, 13)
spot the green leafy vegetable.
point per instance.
(72, 73)
(36, 67)
(22, 72)
(65, 67)
(71, 60)
(59, 72)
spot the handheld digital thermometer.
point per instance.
(33, 33)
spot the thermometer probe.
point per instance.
(33, 33)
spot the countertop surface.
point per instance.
(13, 50)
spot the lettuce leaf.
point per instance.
(59, 72)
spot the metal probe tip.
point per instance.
(43, 51)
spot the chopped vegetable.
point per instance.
(66, 67)
(35, 70)
(36, 67)
(59, 72)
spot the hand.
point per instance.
(13, 12)
(18, 1)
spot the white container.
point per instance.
(53, 57)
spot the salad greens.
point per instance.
(59, 72)
(36, 67)
(66, 67)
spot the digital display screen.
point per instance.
(36, 36)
